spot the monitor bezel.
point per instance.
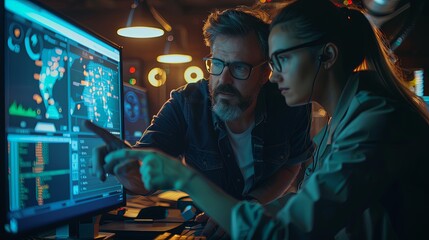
(4, 165)
(136, 87)
(4, 206)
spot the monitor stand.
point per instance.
(83, 229)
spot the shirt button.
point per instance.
(228, 155)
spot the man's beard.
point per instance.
(229, 109)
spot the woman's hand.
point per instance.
(158, 170)
(126, 170)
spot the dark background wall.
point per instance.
(187, 18)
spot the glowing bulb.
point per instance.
(132, 81)
(157, 77)
(174, 58)
(193, 74)
(132, 70)
(140, 32)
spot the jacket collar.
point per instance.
(346, 97)
(343, 105)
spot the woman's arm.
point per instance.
(211, 199)
(160, 171)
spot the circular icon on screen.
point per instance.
(131, 107)
(33, 44)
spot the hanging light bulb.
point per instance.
(145, 15)
(168, 57)
(140, 32)
(174, 58)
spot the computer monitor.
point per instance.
(55, 75)
(136, 112)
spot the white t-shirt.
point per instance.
(242, 146)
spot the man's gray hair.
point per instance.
(236, 22)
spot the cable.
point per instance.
(316, 156)
(310, 115)
(309, 101)
(315, 76)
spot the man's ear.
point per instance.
(266, 73)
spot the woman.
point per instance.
(367, 179)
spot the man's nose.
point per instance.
(275, 77)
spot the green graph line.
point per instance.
(46, 173)
(19, 110)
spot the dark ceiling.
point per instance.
(185, 16)
(106, 16)
(117, 4)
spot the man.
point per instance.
(232, 127)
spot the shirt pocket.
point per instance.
(204, 160)
(277, 154)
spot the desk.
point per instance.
(158, 231)
(130, 229)
(171, 227)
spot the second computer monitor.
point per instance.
(136, 113)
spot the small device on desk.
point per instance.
(147, 213)
(149, 208)
(153, 212)
(179, 200)
(138, 230)
(143, 217)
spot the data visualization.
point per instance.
(61, 83)
(57, 75)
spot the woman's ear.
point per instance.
(330, 55)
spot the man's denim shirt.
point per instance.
(186, 127)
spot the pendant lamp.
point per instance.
(144, 22)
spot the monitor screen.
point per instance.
(56, 75)
(136, 113)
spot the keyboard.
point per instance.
(189, 232)
(186, 234)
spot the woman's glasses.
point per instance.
(274, 61)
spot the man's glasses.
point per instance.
(239, 70)
(274, 61)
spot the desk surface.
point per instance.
(172, 227)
